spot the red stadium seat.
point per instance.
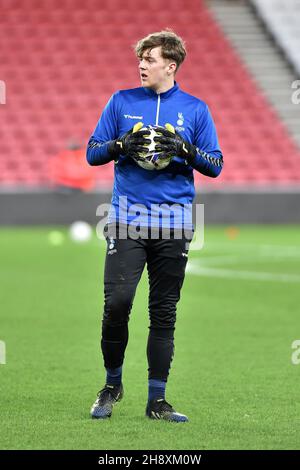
(61, 74)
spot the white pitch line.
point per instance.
(236, 246)
(245, 275)
(217, 260)
(278, 251)
(245, 258)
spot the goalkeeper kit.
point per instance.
(189, 135)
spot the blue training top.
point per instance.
(139, 193)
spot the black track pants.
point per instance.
(125, 260)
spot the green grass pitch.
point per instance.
(232, 372)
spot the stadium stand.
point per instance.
(263, 58)
(60, 69)
(282, 18)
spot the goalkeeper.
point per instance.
(188, 136)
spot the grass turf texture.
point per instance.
(232, 372)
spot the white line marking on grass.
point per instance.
(235, 246)
(243, 258)
(193, 268)
(2, 352)
(218, 260)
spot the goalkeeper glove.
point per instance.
(131, 143)
(171, 144)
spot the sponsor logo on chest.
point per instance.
(179, 122)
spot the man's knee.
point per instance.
(117, 306)
(163, 317)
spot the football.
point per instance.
(151, 160)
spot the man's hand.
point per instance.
(131, 143)
(172, 144)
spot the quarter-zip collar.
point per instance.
(165, 94)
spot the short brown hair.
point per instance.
(172, 46)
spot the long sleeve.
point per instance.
(106, 130)
(209, 158)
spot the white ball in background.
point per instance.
(80, 232)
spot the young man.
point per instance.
(191, 142)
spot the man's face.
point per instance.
(154, 69)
